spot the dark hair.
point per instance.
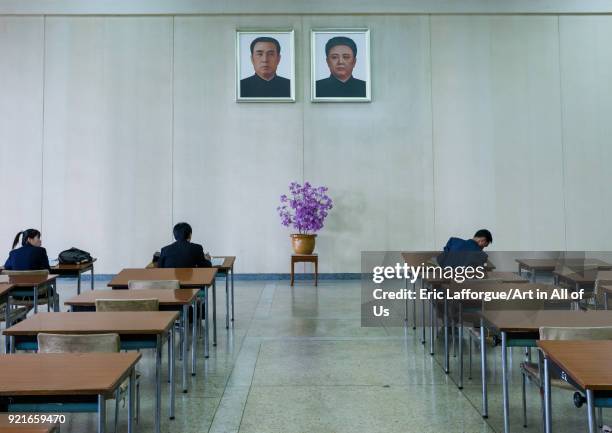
(484, 233)
(182, 231)
(265, 39)
(25, 235)
(340, 40)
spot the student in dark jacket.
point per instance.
(30, 256)
(183, 253)
(466, 252)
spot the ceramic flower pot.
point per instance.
(303, 244)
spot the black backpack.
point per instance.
(74, 256)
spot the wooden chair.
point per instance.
(473, 318)
(154, 284)
(86, 343)
(110, 305)
(15, 315)
(118, 305)
(79, 343)
(23, 297)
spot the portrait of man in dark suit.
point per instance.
(342, 54)
(265, 55)
(341, 57)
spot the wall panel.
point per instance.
(21, 90)
(232, 160)
(476, 121)
(497, 142)
(108, 124)
(586, 65)
(375, 157)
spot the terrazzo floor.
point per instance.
(297, 360)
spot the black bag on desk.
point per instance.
(74, 256)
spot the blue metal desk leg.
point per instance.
(7, 340)
(506, 402)
(423, 337)
(227, 300)
(547, 401)
(206, 322)
(185, 314)
(591, 411)
(171, 363)
(158, 371)
(232, 293)
(131, 392)
(460, 345)
(214, 307)
(101, 414)
(483, 370)
(194, 340)
(446, 351)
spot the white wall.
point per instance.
(497, 130)
(107, 138)
(376, 158)
(21, 125)
(586, 72)
(231, 161)
(476, 121)
(236, 7)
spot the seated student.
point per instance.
(30, 256)
(182, 253)
(466, 252)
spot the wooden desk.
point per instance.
(188, 278)
(418, 258)
(549, 265)
(64, 377)
(137, 330)
(529, 322)
(24, 283)
(576, 280)
(521, 329)
(7, 427)
(66, 270)
(505, 277)
(169, 300)
(583, 364)
(501, 282)
(305, 258)
(493, 277)
(426, 258)
(495, 280)
(143, 324)
(498, 287)
(226, 268)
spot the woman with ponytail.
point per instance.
(30, 255)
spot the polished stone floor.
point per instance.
(297, 361)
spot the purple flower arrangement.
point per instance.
(306, 207)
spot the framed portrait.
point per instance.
(340, 65)
(265, 66)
